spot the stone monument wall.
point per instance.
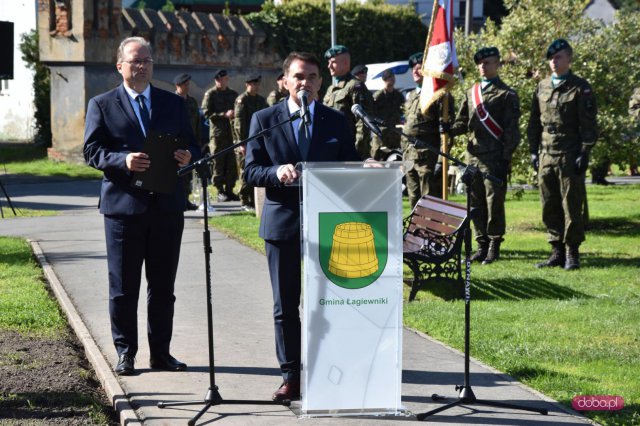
(79, 39)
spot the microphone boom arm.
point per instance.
(469, 171)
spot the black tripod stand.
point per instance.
(4, 191)
(466, 395)
(213, 397)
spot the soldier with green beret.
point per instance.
(246, 104)
(279, 93)
(490, 115)
(360, 72)
(346, 92)
(562, 131)
(217, 107)
(425, 177)
(387, 105)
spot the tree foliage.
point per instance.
(373, 32)
(41, 86)
(603, 55)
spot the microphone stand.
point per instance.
(4, 191)
(212, 396)
(465, 395)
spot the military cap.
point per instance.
(416, 58)
(335, 51)
(556, 46)
(220, 73)
(358, 69)
(253, 78)
(181, 79)
(386, 75)
(485, 52)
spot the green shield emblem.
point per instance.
(353, 247)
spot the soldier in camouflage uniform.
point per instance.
(360, 72)
(634, 111)
(345, 93)
(490, 113)
(387, 105)
(279, 94)
(562, 130)
(217, 107)
(246, 104)
(425, 177)
(182, 89)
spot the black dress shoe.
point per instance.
(166, 362)
(288, 391)
(191, 206)
(125, 365)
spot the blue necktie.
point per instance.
(303, 140)
(144, 113)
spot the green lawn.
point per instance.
(25, 305)
(30, 159)
(562, 333)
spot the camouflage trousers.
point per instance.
(562, 193)
(225, 169)
(487, 198)
(390, 140)
(363, 146)
(422, 181)
(246, 191)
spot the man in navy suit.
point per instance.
(270, 163)
(141, 227)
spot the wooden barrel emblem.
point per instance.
(353, 252)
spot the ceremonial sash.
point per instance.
(483, 115)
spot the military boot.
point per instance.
(572, 258)
(481, 254)
(557, 257)
(493, 253)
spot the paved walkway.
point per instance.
(72, 249)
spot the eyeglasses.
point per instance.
(140, 62)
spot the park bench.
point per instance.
(432, 242)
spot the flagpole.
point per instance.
(445, 145)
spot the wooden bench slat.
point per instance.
(442, 205)
(432, 236)
(439, 227)
(441, 217)
(429, 223)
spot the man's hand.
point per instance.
(582, 162)
(535, 162)
(182, 156)
(287, 174)
(372, 163)
(137, 161)
(229, 114)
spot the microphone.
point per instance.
(305, 115)
(368, 121)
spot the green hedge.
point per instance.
(372, 32)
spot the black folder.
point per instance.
(161, 176)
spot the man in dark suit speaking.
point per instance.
(141, 227)
(270, 163)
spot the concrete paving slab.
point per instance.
(245, 364)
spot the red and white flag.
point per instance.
(440, 61)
